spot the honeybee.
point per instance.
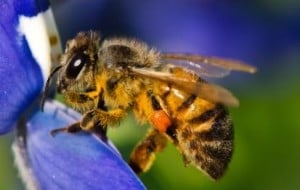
(106, 79)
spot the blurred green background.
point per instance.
(267, 123)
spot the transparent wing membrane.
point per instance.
(206, 66)
(201, 70)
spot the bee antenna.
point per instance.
(47, 87)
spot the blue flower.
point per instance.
(79, 161)
(18, 85)
(69, 161)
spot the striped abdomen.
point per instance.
(202, 131)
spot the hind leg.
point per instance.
(143, 155)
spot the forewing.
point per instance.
(210, 92)
(204, 66)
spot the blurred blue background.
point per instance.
(264, 33)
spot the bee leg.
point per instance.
(100, 132)
(74, 128)
(95, 119)
(143, 155)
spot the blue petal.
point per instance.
(30, 7)
(73, 161)
(21, 78)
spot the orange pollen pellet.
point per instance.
(160, 120)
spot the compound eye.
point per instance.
(76, 65)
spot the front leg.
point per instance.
(94, 121)
(98, 117)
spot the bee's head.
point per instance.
(78, 65)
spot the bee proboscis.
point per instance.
(105, 79)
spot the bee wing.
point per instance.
(210, 92)
(206, 66)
